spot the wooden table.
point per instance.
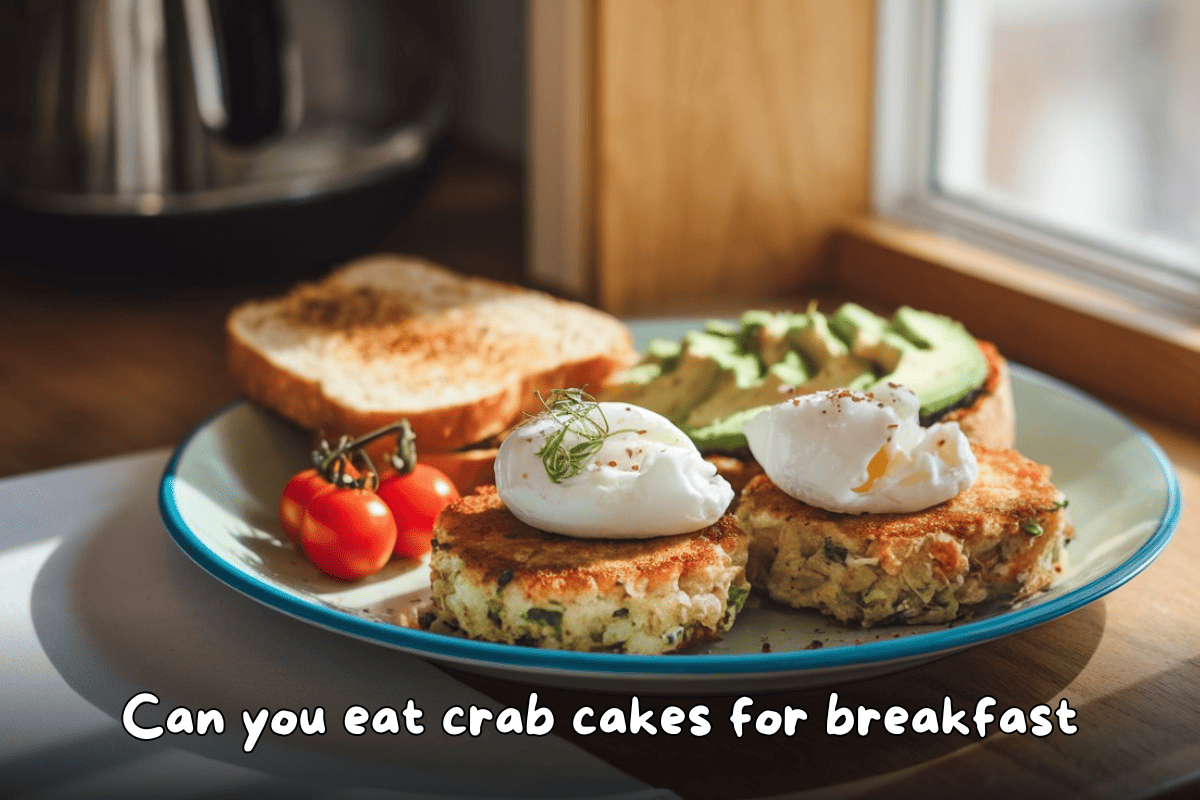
(90, 374)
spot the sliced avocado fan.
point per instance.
(714, 381)
(931, 354)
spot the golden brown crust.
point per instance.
(1011, 494)
(1010, 487)
(1001, 539)
(485, 535)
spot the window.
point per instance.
(1064, 132)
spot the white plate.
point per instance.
(220, 491)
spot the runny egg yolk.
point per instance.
(876, 458)
(875, 468)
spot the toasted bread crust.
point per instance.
(367, 327)
(438, 430)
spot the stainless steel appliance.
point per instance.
(200, 110)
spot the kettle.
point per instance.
(149, 107)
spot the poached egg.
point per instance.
(645, 478)
(861, 452)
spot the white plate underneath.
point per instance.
(220, 491)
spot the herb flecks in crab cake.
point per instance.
(1002, 539)
(496, 578)
(606, 531)
(893, 523)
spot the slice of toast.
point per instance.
(391, 336)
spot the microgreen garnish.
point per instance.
(575, 412)
(1031, 527)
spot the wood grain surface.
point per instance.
(728, 140)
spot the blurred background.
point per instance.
(1077, 115)
(161, 160)
(594, 147)
(207, 139)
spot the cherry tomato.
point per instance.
(348, 533)
(415, 499)
(298, 493)
(296, 496)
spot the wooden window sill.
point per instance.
(1094, 339)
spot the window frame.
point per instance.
(908, 43)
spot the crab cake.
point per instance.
(498, 579)
(1001, 539)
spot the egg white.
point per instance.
(648, 479)
(857, 452)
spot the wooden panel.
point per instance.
(729, 139)
(559, 168)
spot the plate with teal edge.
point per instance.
(220, 490)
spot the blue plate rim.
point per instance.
(924, 645)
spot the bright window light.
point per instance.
(1066, 130)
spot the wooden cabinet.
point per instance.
(688, 149)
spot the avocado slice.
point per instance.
(707, 363)
(714, 381)
(929, 353)
(721, 327)
(664, 352)
(637, 375)
(808, 357)
(946, 363)
(661, 356)
(869, 336)
(835, 366)
(773, 387)
(724, 434)
(767, 334)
